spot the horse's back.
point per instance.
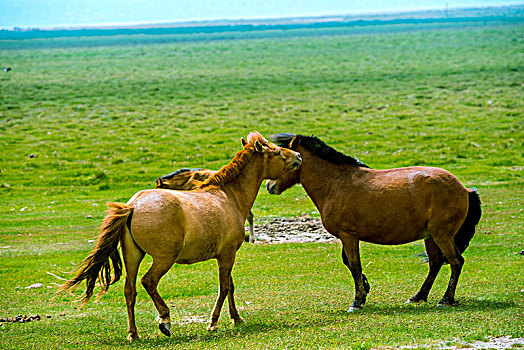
(414, 175)
(192, 226)
(394, 206)
(414, 182)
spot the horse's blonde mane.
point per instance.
(231, 170)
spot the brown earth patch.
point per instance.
(292, 230)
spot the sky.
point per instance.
(66, 13)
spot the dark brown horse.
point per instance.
(189, 179)
(392, 206)
(185, 228)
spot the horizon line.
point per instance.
(218, 21)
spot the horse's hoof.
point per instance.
(239, 322)
(165, 328)
(415, 301)
(132, 337)
(212, 327)
(354, 309)
(447, 304)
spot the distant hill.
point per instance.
(259, 29)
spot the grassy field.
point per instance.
(90, 119)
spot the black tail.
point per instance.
(467, 230)
(105, 256)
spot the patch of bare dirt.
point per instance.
(292, 230)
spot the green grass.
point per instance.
(290, 295)
(99, 120)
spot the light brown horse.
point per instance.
(185, 228)
(189, 179)
(392, 206)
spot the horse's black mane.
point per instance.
(317, 147)
(178, 172)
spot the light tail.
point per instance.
(105, 257)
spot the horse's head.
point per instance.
(289, 178)
(277, 160)
(174, 181)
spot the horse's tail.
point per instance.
(98, 264)
(467, 230)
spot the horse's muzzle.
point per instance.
(295, 163)
(271, 187)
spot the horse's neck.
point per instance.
(244, 188)
(317, 176)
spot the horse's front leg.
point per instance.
(232, 308)
(250, 218)
(351, 258)
(225, 265)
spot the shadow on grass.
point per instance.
(464, 305)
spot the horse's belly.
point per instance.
(191, 258)
(204, 243)
(193, 252)
(386, 231)
(391, 238)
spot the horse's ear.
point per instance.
(258, 147)
(244, 142)
(294, 143)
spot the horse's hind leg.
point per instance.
(352, 261)
(150, 282)
(435, 263)
(132, 255)
(456, 261)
